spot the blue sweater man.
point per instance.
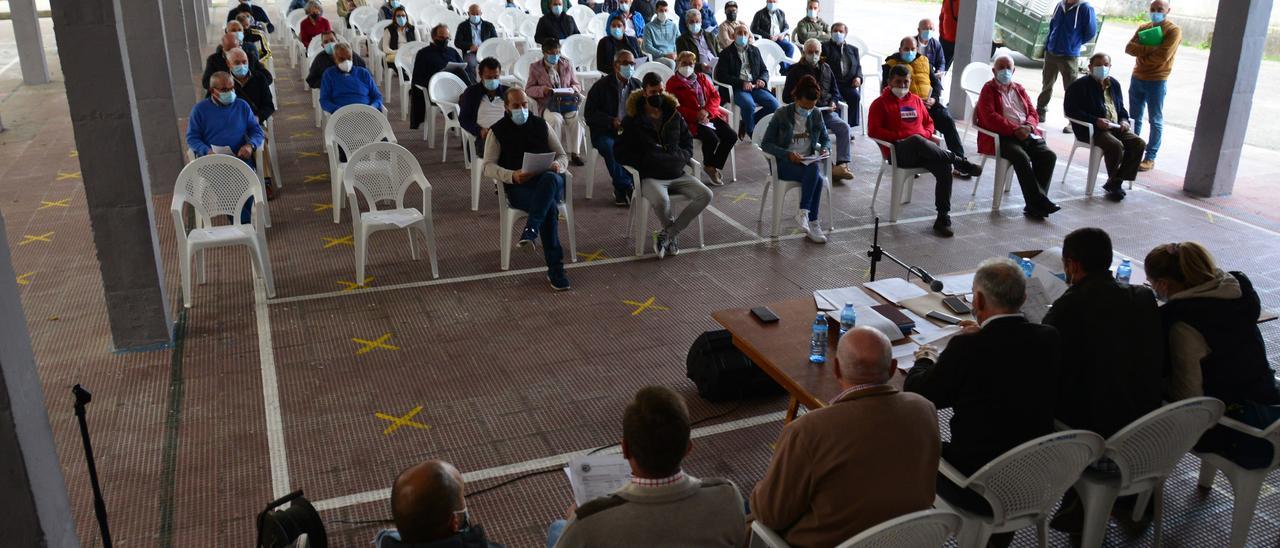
(224, 121)
(1074, 23)
(339, 89)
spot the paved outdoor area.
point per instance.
(333, 388)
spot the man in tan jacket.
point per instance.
(869, 457)
(1153, 63)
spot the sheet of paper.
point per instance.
(895, 290)
(834, 299)
(957, 284)
(535, 164)
(905, 354)
(219, 149)
(937, 338)
(594, 476)
(870, 318)
(927, 331)
(563, 91)
(1038, 301)
(815, 158)
(1052, 284)
(931, 302)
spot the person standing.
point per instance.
(948, 20)
(1153, 63)
(1073, 24)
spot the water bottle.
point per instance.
(1125, 270)
(848, 317)
(818, 343)
(1027, 266)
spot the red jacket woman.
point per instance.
(695, 93)
(690, 107)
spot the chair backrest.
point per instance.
(757, 136)
(446, 87)
(527, 28)
(507, 21)
(1148, 448)
(375, 32)
(354, 126)
(405, 56)
(363, 18)
(502, 49)
(654, 66)
(772, 54)
(976, 74)
(581, 50)
(294, 19)
(923, 529)
(581, 15)
(1028, 480)
(383, 171)
(520, 69)
(859, 43)
(217, 185)
(449, 19)
(598, 25)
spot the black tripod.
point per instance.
(877, 253)
(83, 397)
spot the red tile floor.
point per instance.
(487, 369)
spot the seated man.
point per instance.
(555, 23)
(346, 84)
(606, 106)
(1099, 101)
(255, 88)
(217, 61)
(811, 26)
(235, 28)
(432, 59)
(324, 60)
(656, 141)
(483, 104)
(226, 124)
(660, 36)
(771, 23)
(701, 41)
(929, 47)
(254, 37)
(560, 109)
(609, 46)
(1004, 108)
(538, 194)
(742, 68)
(927, 86)
(705, 12)
(811, 64)
(633, 23)
(661, 505)
(846, 66)
(429, 510)
(470, 34)
(868, 457)
(728, 30)
(997, 374)
(258, 14)
(900, 118)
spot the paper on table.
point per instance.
(834, 299)
(868, 317)
(957, 284)
(905, 354)
(535, 164)
(594, 476)
(895, 290)
(219, 149)
(927, 331)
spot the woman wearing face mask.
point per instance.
(560, 110)
(400, 31)
(610, 45)
(1214, 347)
(700, 105)
(797, 132)
(314, 25)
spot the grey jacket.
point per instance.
(690, 512)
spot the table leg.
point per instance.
(792, 409)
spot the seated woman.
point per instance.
(314, 25)
(560, 110)
(400, 31)
(794, 133)
(700, 106)
(1214, 346)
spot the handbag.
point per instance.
(563, 103)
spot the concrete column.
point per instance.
(96, 63)
(973, 43)
(26, 30)
(157, 118)
(195, 40)
(181, 82)
(1235, 57)
(35, 505)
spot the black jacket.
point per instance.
(322, 62)
(730, 65)
(259, 15)
(257, 92)
(469, 106)
(217, 62)
(1084, 102)
(607, 47)
(433, 59)
(685, 42)
(602, 104)
(760, 23)
(1001, 383)
(463, 39)
(1113, 353)
(832, 53)
(551, 26)
(657, 151)
(822, 73)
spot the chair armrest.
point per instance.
(766, 537)
(893, 153)
(1242, 427)
(991, 134)
(1088, 125)
(176, 207)
(952, 474)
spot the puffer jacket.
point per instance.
(657, 151)
(921, 74)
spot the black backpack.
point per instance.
(724, 373)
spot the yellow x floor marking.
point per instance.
(1210, 217)
(320, 207)
(297, 117)
(315, 178)
(744, 196)
(330, 242)
(25, 278)
(297, 134)
(26, 239)
(45, 204)
(352, 286)
(64, 175)
(73, 154)
(309, 154)
(397, 422)
(593, 256)
(647, 305)
(380, 342)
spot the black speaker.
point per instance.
(279, 528)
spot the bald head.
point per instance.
(1160, 6)
(865, 356)
(425, 500)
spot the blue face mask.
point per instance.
(925, 35)
(475, 19)
(626, 70)
(520, 116)
(1101, 73)
(695, 29)
(615, 32)
(553, 59)
(491, 84)
(624, 8)
(239, 36)
(1004, 76)
(401, 21)
(557, 10)
(395, 4)
(226, 97)
(908, 56)
(741, 41)
(813, 14)
(1157, 17)
(773, 6)
(805, 112)
(240, 71)
(837, 37)
(328, 48)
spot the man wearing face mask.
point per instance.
(254, 87)
(484, 103)
(217, 61)
(660, 36)
(324, 60)
(1073, 25)
(346, 84)
(811, 64)
(700, 41)
(470, 34)
(1099, 101)
(928, 46)
(432, 59)
(1153, 52)
(555, 23)
(632, 22)
(742, 68)
(811, 26)
(604, 110)
(926, 85)
(616, 41)
(704, 9)
(224, 121)
(846, 66)
(560, 109)
(235, 28)
(314, 25)
(388, 10)
(726, 32)
(771, 23)
(1004, 108)
(535, 193)
(429, 510)
(258, 14)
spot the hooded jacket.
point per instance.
(921, 73)
(657, 151)
(1070, 28)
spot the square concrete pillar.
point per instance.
(973, 43)
(181, 72)
(195, 39)
(153, 90)
(26, 31)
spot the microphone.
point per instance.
(934, 285)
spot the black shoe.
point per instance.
(559, 281)
(1035, 213)
(1068, 129)
(271, 190)
(576, 160)
(969, 168)
(1051, 207)
(956, 173)
(622, 197)
(942, 227)
(528, 237)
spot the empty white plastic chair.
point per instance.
(597, 26)
(923, 529)
(781, 187)
(653, 66)
(1003, 178)
(1246, 484)
(902, 182)
(638, 223)
(444, 89)
(505, 51)
(1023, 485)
(773, 56)
(580, 49)
(378, 61)
(294, 21)
(218, 185)
(870, 63)
(1095, 156)
(520, 69)
(404, 72)
(350, 128)
(976, 75)
(1144, 453)
(581, 15)
(527, 28)
(385, 172)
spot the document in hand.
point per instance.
(562, 91)
(535, 164)
(594, 476)
(219, 149)
(815, 158)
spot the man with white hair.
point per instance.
(1004, 108)
(869, 456)
(999, 375)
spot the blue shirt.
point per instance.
(212, 124)
(339, 89)
(660, 38)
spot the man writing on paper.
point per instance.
(1153, 47)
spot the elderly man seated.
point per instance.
(224, 124)
(1004, 108)
(254, 87)
(217, 61)
(346, 84)
(429, 510)
(324, 60)
(696, 38)
(253, 36)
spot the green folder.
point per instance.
(1153, 36)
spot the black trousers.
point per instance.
(945, 125)
(1122, 151)
(915, 152)
(717, 142)
(949, 51)
(1034, 163)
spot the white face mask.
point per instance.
(685, 70)
(345, 66)
(901, 92)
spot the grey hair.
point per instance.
(689, 14)
(812, 42)
(622, 53)
(314, 4)
(341, 46)
(1003, 282)
(997, 59)
(234, 51)
(220, 76)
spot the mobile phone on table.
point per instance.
(944, 318)
(763, 314)
(956, 304)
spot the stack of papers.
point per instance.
(895, 290)
(535, 164)
(868, 317)
(594, 476)
(957, 284)
(905, 354)
(834, 299)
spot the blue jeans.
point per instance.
(810, 179)
(788, 49)
(747, 101)
(1148, 95)
(554, 531)
(604, 145)
(539, 198)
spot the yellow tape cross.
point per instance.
(310, 154)
(646, 305)
(330, 242)
(73, 154)
(406, 420)
(1211, 219)
(65, 175)
(26, 239)
(25, 279)
(315, 178)
(297, 117)
(352, 286)
(593, 256)
(369, 346)
(297, 134)
(45, 204)
(744, 196)
(316, 207)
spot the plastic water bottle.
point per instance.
(818, 342)
(848, 317)
(1027, 266)
(1125, 270)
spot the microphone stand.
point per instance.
(83, 397)
(878, 253)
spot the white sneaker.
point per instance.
(814, 233)
(802, 220)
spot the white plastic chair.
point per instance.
(384, 172)
(508, 215)
(902, 182)
(526, 29)
(867, 58)
(597, 26)
(505, 51)
(923, 529)
(1023, 485)
(404, 72)
(520, 69)
(975, 75)
(638, 223)
(377, 60)
(350, 128)
(1095, 157)
(218, 185)
(1145, 453)
(580, 49)
(1246, 484)
(773, 56)
(781, 187)
(443, 92)
(653, 66)
(1004, 172)
(294, 22)
(363, 18)
(582, 16)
